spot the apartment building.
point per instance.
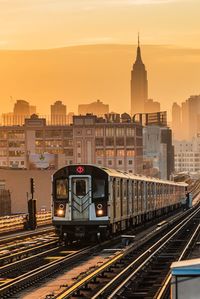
(115, 142)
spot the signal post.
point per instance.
(32, 221)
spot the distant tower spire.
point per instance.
(138, 57)
(139, 83)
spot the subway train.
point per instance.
(90, 201)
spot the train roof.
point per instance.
(120, 173)
(123, 174)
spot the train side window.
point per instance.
(62, 189)
(80, 188)
(98, 188)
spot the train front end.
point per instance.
(80, 202)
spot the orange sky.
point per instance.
(33, 24)
(83, 74)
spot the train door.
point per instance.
(80, 198)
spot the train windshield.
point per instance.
(81, 187)
(98, 188)
(62, 189)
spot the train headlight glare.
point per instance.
(60, 212)
(99, 212)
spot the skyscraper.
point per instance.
(176, 121)
(139, 84)
(58, 113)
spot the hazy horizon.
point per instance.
(82, 74)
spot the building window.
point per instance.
(120, 132)
(120, 141)
(100, 152)
(68, 152)
(99, 162)
(99, 141)
(120, 153)
(38, 134)
(67, 133)
(109, 141)
(109, 162)
(99, 132)
(3, 135)
(39, 143)
(130, 162)
(51, 143)
(130, 141)
(139, 131)
(3, 153)
(67, 142)
(130, 132)
(109, 132)
(110, 153)
(53, 134)
(130, 153)
(119, 162)
(16, 134)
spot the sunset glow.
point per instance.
(170, 40)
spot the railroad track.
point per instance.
(22, 253)
(141, 270)
(54, 261)
(26, 234)
(50, 262)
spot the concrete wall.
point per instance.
(17, 181)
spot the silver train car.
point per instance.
(90, 201)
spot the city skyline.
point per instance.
(82, 50)
(85, 73)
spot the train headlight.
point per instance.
(99, 209)
(60, 212)
(99, 212)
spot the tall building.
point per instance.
(194, 113)
(114, 142)
(187, 155)
(139, 84)
(176, 121)
(186, 118)
(97, 108)
(22, 109)
(158, 151)
(58, 113)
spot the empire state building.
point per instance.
(139, 84)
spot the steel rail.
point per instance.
(77, 286)
(10, 265)
(174, 231)
(25, 234)
(160, 294)
(26, 279)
